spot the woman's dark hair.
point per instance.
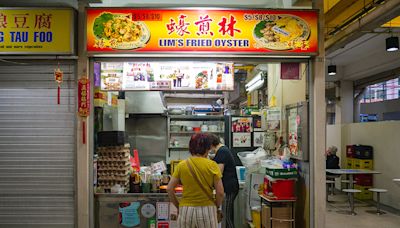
(214, 139)
(199, 144)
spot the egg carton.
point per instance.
(113, 163)
(113, 173)
(113, 148)
(114, 168)
(110, 178)
(114, 157)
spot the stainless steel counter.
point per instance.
(108, 206)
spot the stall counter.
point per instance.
(133, 210)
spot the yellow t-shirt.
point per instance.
(207, 171)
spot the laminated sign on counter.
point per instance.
(128, 214)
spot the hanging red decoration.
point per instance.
(58, 76)
(83, 103)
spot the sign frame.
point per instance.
(228, 54)
(72, 50)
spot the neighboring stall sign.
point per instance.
(36, 31)
(194, 30)
(159, 76)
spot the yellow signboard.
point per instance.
(36, 31)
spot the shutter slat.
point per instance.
(37, 145)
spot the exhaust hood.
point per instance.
(145, 102)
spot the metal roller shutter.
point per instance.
(37, 145)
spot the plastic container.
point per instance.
(363, 152)
(279, 189)
(241, 173)
(281, 173)
(364, 179)
(251, 159)
(256, 216)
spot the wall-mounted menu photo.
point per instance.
(174, 76)
(241, 139)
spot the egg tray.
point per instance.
(113, 157)
(113, 148)
(109, 184)
(113, 178)
(113, 163)
(113, 173)
(113, 168)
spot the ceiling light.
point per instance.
(392, 43)
(332, 70)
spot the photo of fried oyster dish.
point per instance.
(120, 31)
(277, 34)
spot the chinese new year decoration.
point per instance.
(58, 76)
(83, 103)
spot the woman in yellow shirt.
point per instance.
(196, 208)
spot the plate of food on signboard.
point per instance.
(282, 32)
(119, 31)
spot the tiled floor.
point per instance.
(336, 219)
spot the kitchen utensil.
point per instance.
(175, 128)
(204, 128)
(175, 111)
(213, 128)
(196, 129)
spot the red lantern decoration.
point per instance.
(58, 76)
(83, 103)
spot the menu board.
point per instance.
(266, 31)
(185, 76)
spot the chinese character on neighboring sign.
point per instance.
(20, 20)
(181, 28)
(83, 97)
(228, 26)
(204, 25)
(3, 20)
(43, 21)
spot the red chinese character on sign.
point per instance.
(171, 26)
(228, 27)
(20, 20)
(204, 25)
(3, 21)
(43, 21)
(180, 28)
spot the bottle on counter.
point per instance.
(134, 182)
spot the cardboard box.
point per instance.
(280, 215)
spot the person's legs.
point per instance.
(206, 217)
(185, 217)
(229, 210)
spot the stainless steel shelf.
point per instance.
(193, 132)
(178, 148)
(193, 117)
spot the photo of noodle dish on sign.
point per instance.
(285, 32)
(119, 31)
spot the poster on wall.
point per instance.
(242, 124)
(241, 139)
(274, 119)
(258, 139)
(111, 75)
(257, 123)
(293, 122)
(297, 130)
(184, 76)
(244, 31)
